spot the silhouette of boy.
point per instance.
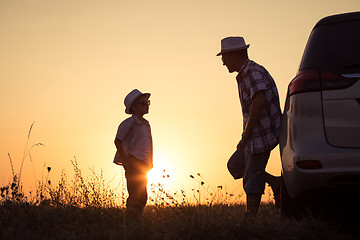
(135, 151)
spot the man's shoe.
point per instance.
(276, 190)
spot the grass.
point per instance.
(87, 208)
(25, 221)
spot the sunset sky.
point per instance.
(67, 65)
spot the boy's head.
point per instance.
(137, 102)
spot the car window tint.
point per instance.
(334, 47)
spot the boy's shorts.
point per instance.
(250, 167)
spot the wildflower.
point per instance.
(202, 183)
(220, 187)
(49, 169)
(191, 176)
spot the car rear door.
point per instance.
(341, 109)
(340, 83)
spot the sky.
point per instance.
(68, 65)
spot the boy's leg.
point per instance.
(136, 185)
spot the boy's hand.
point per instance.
(127, 160)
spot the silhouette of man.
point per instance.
(261, 118)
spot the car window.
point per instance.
(334, 47)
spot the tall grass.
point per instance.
(80, 191)
(94, 191)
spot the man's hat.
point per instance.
(131, 98)
(231, 44)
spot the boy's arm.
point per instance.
(120, 150)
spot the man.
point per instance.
(261, 118)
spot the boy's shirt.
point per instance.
(136, 140)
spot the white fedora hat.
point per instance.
(131, 98)
(230, 44)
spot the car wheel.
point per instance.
(289, 207)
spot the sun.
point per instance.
(157, 175)
(161, 171)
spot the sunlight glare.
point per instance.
(161, 171)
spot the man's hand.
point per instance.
(244, 139)
(257, 105)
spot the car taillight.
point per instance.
(330, 81)
(315, 80)
(305, 81)
(309, 164)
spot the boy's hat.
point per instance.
(230, 44)
(131, 98)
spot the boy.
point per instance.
(135, 151)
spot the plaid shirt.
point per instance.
(252, 78)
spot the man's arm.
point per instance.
(257, 105)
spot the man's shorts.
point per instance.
(250, 167)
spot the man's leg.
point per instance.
(275, 184)
(252, 204)
(254, 180)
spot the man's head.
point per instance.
(233, 53)
(234, 60)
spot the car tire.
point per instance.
(288, 207)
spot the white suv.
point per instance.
(320, 138)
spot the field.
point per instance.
(88, 208)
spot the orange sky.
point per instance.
(67, 65)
